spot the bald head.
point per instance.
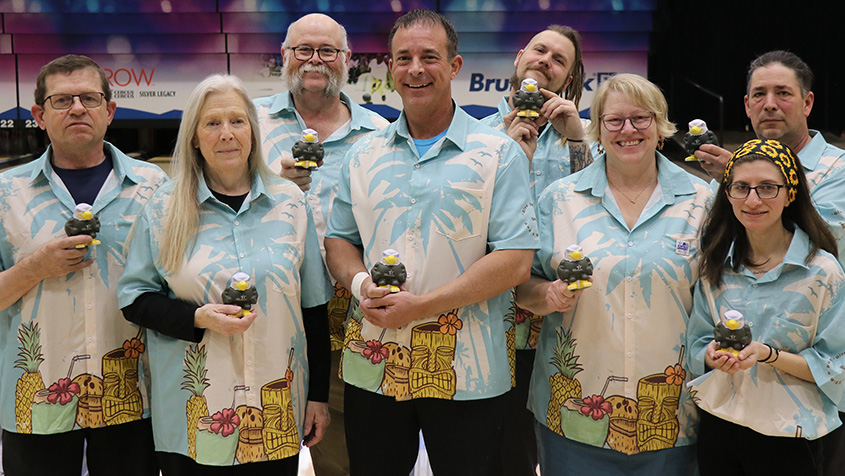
(315, 22)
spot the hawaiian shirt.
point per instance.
(550, 163)
(467, 196)
(824, 165)
(70, 359)
(609, 373)
(281, 126)
(796, 307)
(250, 387)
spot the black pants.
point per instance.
(519, 450)
(833, 446)
(463, 438)
(125, 449)
(174, 464)
(725, 448)
(329, 455)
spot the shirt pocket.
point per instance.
(681, 247)
(788, 333)
(461, 213)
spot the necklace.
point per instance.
(632, 200)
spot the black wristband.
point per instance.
(777, 354)
(768, 356)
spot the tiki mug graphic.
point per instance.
(658, 396)
(121, 396)
(250, 441)
(90, 411)
(54, 409)
(396, 368)
(338, 310)
(218, 435)
(280, 436)
(432, 355)
(364, 362)
(622, 430)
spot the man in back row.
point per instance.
(555, 145)
(315, 61)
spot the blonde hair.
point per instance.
(639, 91)
(182, 218)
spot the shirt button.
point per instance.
(754, 285)
(410, 238)
(416, 166)
(90, 306)
(237, 223)
(628, 391)
(252, 397)
(241, 255)
(538, 173)
(90, 339)
(630, 354)
(630, 243)
(249, 362)
(629, 315)
(630, 278)
(413, 200)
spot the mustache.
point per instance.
(316, 68)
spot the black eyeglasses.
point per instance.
(326, 53)
(766, 191)
(65, 101)
(639, 121)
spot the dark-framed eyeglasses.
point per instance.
(639, 121)
(65, 101)
(326, 53)
(765, 191)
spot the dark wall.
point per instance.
(712, 44)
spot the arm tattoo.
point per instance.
(579, 156)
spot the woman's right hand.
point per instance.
(220, 318)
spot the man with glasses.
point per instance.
(72, 366)
(315, 54)
(778, 101)
(555, 146)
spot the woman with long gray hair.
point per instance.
(243, 383)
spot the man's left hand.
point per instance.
(317, 419)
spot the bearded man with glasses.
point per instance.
(71, 363)
(316, 55)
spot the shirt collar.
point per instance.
(121, 168)
(359, 119)
(797, 252)
(457, 133)
(812, 152)
(673, 180)
(256, 190)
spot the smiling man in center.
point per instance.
(436, 186)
